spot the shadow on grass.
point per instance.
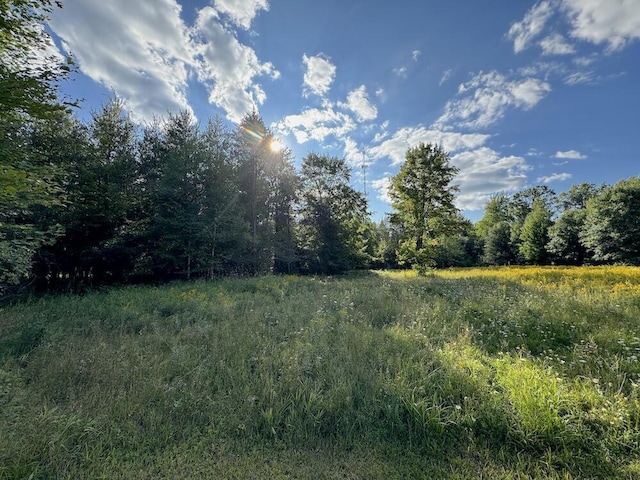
(372, 377)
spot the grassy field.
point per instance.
(509, 373)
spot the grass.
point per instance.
(510, 373)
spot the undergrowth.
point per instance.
(475, 373)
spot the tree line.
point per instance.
(108, 201)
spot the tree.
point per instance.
(496, 210)
(521, 205)
(422, 196)
(331, 213)
(224, 231)
(28, 92)
(498, 248)
(612, 226)
(173, 164)
(578, 195)
(534, 234)
(28, 77)
(462, 249)
(564, 244)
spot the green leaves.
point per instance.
(612, 225)
(423, 197)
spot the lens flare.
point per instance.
(276, 145)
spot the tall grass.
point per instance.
(476, 373)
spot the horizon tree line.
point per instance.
(107, 201)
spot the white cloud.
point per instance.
(319, 75)
(584, 61)
(578, 78)
(409, 137)
(143, 55)
(241, 12)
(614, 22)
(522, 33)
(229, 67)
(381, 185)
(555, 177)
(484, 172)
(316, 124)
(445, 76)
(358, 102)
(486, 98)
(144, 52)
(533, 152)
(401, 72)
(570, 154)
(556, 44)
(353, 154)
(415, 55)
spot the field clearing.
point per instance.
(519, 372)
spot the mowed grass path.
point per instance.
(475, 373)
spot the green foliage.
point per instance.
(578, 195)
(612, 226)
(496, 210)
(333, 216)
(28, 92)
(422, 196)
(499, 373)
(28, 78)
(564, 244)
(498, 248)
(534, 234)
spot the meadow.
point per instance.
(497, 373)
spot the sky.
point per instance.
(520, 93)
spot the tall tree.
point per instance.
(578, 195)
(534, 234)
(612, 227)
(423, 196)
(173, 164)
(521, 205)
(564, 245)
(498, 247)
(252, 155)
(331, 212)
(28, 92)
(226, 233)
(496, 210)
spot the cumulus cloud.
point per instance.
(397, 145)
(615, 23)
(555, 177)
(381, 186)
(486, 98)
(148, 55)
(353, 154)
(144, 56)
(556, 44)
(229, 67)
(570, 154)
(483, 172)
(358, 102)
(415, 55)
(525, 31)
(241, 12)
(319, 75)
(316, 124)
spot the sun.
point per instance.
(276, 145)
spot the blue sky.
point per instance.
(520, 93)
